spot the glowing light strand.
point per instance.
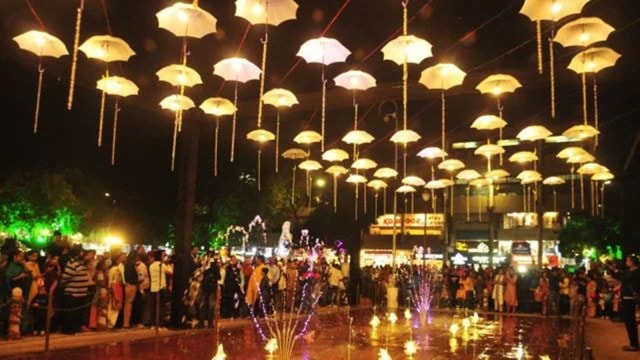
(74, 55)
(38, 95)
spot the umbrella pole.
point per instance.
(215, 148)
(375, 207)
(539, 42)
(573, 191)
(443, 120)
(384, 200)
(115, 133)
(74, 55)
(364, 186)
(324, 101)
(479, 208)
(595, 107)
(555, 200)
(277, 138)
(453, 187)
(602, 199)
(175, 139)
(259, 168)
(584, 98)
(468, 204)
(39, 92)
(552, 76)
(335, 194)
(293, 185)
(233, 122)
(103, 99)
(524, 198)
(581, 192)
(356, 202)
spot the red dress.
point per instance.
(510, 296)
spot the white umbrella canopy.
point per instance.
(523, 157)
(498, 84)
(435, 185)
(177, 103)
(409, 48)
(385, 173)
(364, 164)
(261, 135)
(332, 155)
(529, 174)
(534, 133)
(307, 137)
(218, 106)
(489, 150)
(106, 48)
(323, 50)
(479, 182)
(583, 32)
(377, 184)
(488, 122)
(581, 132)
(179, 75)
(358, 137)
(294, 154)
(594, 60)
(571, 152)
(336, 170)
(186, 20)
(581, 159)
(442, 76)
(602, 176)
(432, 152)
(356, 179)
(553, 181)
(451, 165)
(237, 69)
(116, 85)
(273, 12)
(310, 165)
(447, 182)
(592, 168)
(531, 180)
(497, 174)
(405, 137)
(468, 174)
(279, 98)
(413, 181)
(552, 10)
(405, 189)
(355, 80)
(41, 43)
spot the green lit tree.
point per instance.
(586, 233)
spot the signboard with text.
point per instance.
(411, 220)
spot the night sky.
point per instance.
(480, 37)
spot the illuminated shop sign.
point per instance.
(411, 220)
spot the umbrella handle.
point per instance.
(115, 133)
(39, 92)
(103, 99)
(175, 139)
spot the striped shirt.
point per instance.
(75, 278)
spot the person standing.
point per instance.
(158, 284)
(253, 289)
(510, 292)
(231, 289)
(630, 294)
(75, 281)
(130, 287)
(498, 291)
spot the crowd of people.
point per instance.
(86, 292)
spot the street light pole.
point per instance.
(539, 207)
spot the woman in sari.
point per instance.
(116, 293)
(510, 292)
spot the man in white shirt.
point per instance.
(335, 277)
(158, 283)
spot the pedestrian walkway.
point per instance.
(607, 338)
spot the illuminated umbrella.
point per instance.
(570, 152)
(526, 175)
(405, 189)
(469, 175)
(324, 51)
(581, 159)
(488, 122)
(550, 10)
(592, 168)
(74, 54)
(605, 178)
(238, 70)
(273, 12)
(377, 184)
(364, 164)
(179, 75)
(333, 155)
(356, 80)
(335, 171)
(594, 60)
(217, 107)
(602, 176)
(451, 165)
(260, 136)
(405, 136)
(186, 20)
(534, 133)
(581, 132)
(357, 179)
(294, 154)
(385, 173)
(413, 181)
(106, 48)
(583, 32)
(442, 77)
(489, 150)
(279, 98)
(578, 158)
(176, 103)
(41, 44)
(435, 185)
(307, 137)
(523, 157)
(432, 153)
(554, 181)
(496, 174)
(116, 86)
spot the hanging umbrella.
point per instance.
(405, 136)
(116, 86)
(376, 185)
(432, 152)
(496, 174)
(217, 107)
(581, 132)
(335, 171)
(310, 165)
(385, 173)
(489, 150)
(307, 137)
(435, 185)
(523, 157)
(581, 159)
(186, 20)
(356, 80)
(498, 84)
(260, 136)
(554, 181)
(594, 60)
(333, 155)
(528, 175)
(534, 133)
(356, 179)
(105, 48)
(413, 181)
(591, 168)
(176, 103)
(41, 44)
(442, 77)
(405, 189)
(570, 152)
(238, 70)
(488, 122)
(451, 165)
(468, 175)
(279, 98)
(324, 51)
(602, 176)
(407, 49)
(273, 12)
(179, 75)
(364, 164)
(294, 154)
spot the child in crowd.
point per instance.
(39, 311)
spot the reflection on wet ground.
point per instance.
(494, 337)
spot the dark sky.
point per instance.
(481, 37)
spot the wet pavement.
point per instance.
(494, 337)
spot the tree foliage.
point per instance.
(582, 233)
